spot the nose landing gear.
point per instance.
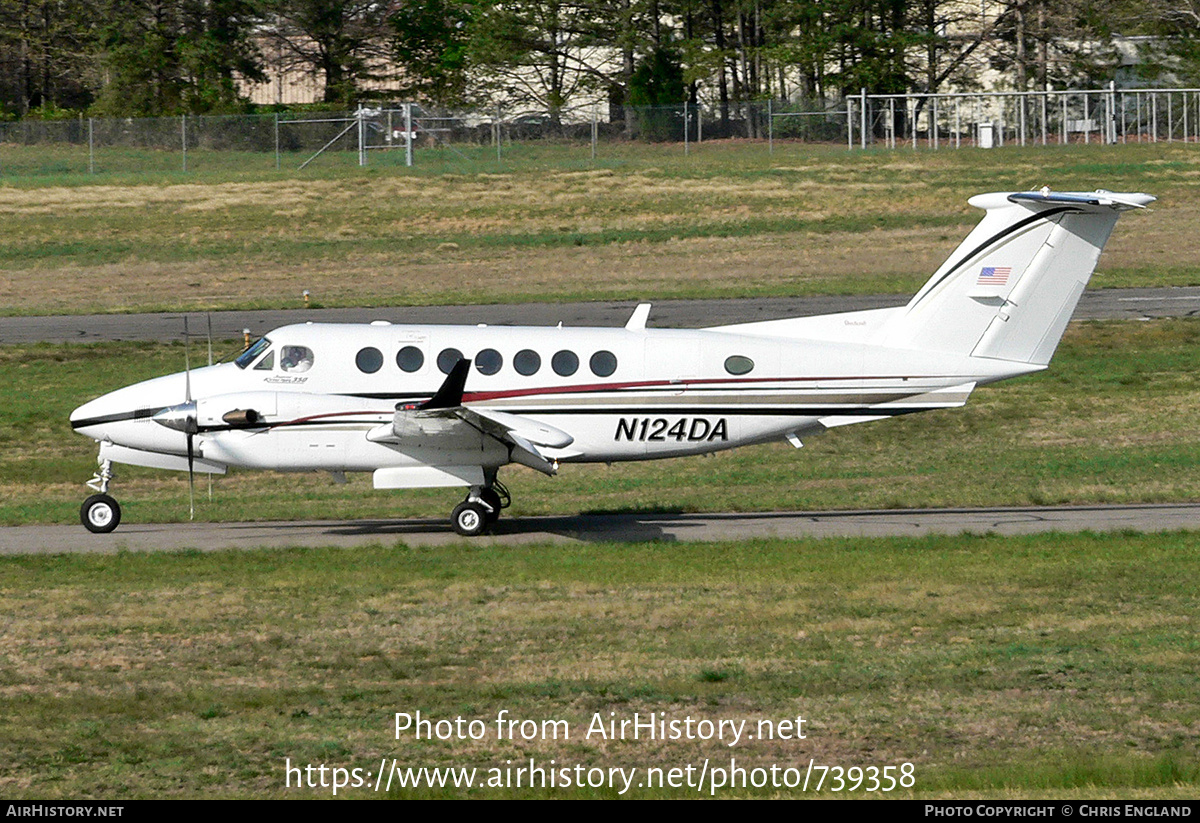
(100, 513)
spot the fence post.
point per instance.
(911, 105)
(849, 123)
(408, 141)
(863, 120)
(770, 126)
(91, 149)
(958, 122)
(685, 128)
(362, 134)
(276, 141)
(595, 132)
(933, 122)
(1043, 95)
(183, 132)
(1021, 97)
(1110, 99)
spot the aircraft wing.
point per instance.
(522, 435)
(444, 416)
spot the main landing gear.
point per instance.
(481, 509)
(100, 513)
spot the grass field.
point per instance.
(1049, 666)
(730, 220)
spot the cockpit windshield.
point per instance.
(251, 354)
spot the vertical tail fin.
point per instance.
(1009, 290)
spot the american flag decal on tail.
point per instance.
(994, 276)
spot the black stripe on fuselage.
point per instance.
(136, 414)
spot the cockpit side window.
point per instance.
(296, 359)
(267, 363)
(251, 354)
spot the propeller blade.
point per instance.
(191, 478)
(187, 363)
(191, 420)
(209, 317)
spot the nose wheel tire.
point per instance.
(469, 518)
(100, 514)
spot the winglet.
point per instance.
(637, 320)
(450, 395)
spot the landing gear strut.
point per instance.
(481, 509)
(100, 513)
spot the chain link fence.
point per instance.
(997, 119)
(407, 135)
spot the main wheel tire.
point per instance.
(491, 500)
(100, 514)
(469, 518)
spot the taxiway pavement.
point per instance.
(1133, 304)
(589, 528)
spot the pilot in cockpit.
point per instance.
(296, 359)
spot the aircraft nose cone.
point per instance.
(89, 419)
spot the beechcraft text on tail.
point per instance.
(421, 406)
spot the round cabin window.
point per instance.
(369, 360)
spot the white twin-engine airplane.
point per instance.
(423, 406)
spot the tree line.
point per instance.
(169, 57)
